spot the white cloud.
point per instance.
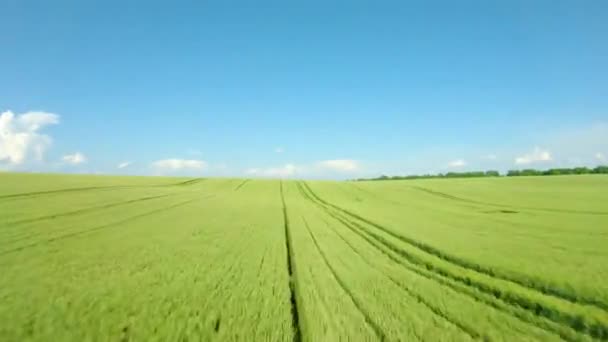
(577, 144)
(457, 163)
(600, 156)
(320, 169)
(19, 137)
(339, 165)
(537, 155)
(76, 158)
(179, 164)
(123, 165)
(284, 171)
(279, 150)
(490, 157)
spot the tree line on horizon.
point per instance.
(602, 169)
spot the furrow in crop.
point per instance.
(521, 280)
(327, 305)
(520, 314)
(464, 328)
(261, 264)
(241, 185)
(373, 325)
(105, 226)
(59, 191)
(514, 302)
(295, 316)
(373, 194)
(25, 235)
(85, 210)
(189, 182)
(461, 199)
(577, 323)
(90, 188)
(262, 261)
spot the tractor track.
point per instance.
(295, 315)
(238, 187)
(370, 322)
(465, 329)
(25, 236)
(466, 200)
(92, 188)
(85, 210)
(94, 229)
(521, 280)
(572, 323)
(524, 317)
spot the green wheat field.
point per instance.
(101, 258)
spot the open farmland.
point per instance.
(170, 259)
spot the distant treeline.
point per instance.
(511, 173)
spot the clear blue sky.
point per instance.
(341, 88)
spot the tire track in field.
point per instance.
(466, 200)
(476, 208)
(522, 315)
(318, 297)
(238, 187)
(85, 210)
(595, 329)
(521, 280)
(25, 235)
(21, 236)
(465, 329)
(90, 188)
(373, 194)
(94, 229)
(322, 299)
(188, 182)
(60, 191)
(367, 317)
(295, 316)
(471, 332)
(261, 264)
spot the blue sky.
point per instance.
(312, 89)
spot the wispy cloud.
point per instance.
(285, 171)
(179, 164)
(75, 158)
(123, 164)
(457, 163)
(600, 157)
(279, 150)
(535, 156)
(321, 169)
(20, 138)
(339, 165)
(490, 157)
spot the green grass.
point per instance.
(175, 259)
